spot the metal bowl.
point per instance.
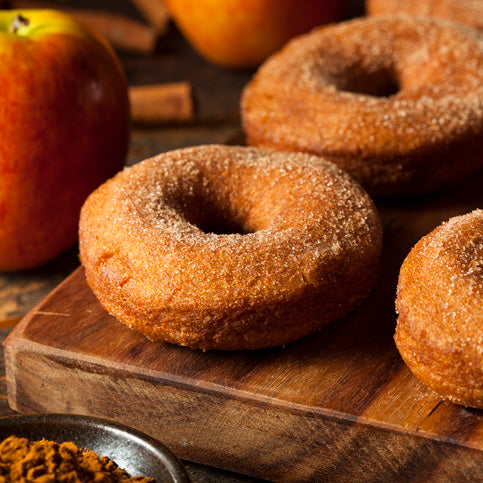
(130, 449)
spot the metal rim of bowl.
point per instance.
(172, 464)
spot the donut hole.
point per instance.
(215, 222)
(213, 216)
(382, 82)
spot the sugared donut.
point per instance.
(395, 101)
(440, 304)
(469, 12)
(218, 247)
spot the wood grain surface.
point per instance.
(339, 405)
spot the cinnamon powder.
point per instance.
(22, 460)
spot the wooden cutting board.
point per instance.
(339, 405)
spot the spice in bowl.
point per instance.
(22, 460)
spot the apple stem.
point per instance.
(17, 22)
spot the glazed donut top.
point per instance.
(331, 91)
(469, 12)
(441, 282)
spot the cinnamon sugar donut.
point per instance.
(395, 101)
(440, 304)
(469, 12)
(218, 247)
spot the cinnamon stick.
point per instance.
(155, 12)
(9, 322)
(161, 103)
(121, 32)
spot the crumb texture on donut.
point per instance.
(218, 247)
(395, 101)
(440, 305)
(468, 12)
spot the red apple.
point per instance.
(242, 33)
(64, 129)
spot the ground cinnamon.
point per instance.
(22, 460)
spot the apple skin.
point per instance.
(243, 33)
(64, 129)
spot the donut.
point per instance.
(469, 12)
(395, 101)
(227, 247)
(439, 331)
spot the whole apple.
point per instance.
(64, 129)
(243, 33)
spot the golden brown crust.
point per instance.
(440, 305)
(329, 93)
(300, 249)
(469, 12)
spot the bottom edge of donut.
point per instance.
(255, 327)
(425, 364)
(266, 332)
(279, 336)
(430, 171)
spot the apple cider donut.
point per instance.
(439, 331)
(218, 247)
(395, 101)
(469, 12)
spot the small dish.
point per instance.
(130, 449)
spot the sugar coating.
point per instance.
(469, 12)
(320, 94)
(298, 227)
(440, 305)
